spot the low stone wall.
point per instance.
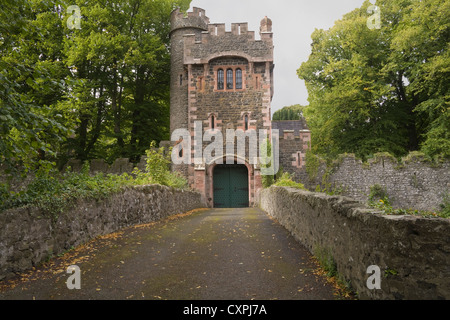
(28, 238)
(414, 182)
(413, 253)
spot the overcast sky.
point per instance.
(293, 23)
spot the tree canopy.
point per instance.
(294, 112)
(381, 90)
(97, 91)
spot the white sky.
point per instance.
(293, 23)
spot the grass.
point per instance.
(325, 259)
(385, 207)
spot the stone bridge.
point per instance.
(126, 248)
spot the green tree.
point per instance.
(369, 89)
(420, 46)
(294, 112)
(101, 91)
(31, 82)
(121, 58)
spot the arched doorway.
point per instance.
(230, 184)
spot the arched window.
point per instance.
(180, 151)
(246, 122)
(238, 79)
(220, 79)
(230, 79)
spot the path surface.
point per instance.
(215, 254)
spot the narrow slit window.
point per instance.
(238, 79)
(181, 79)
(220, 79)
(246, 122)
(229, 79)
(180, 151)
(213, 122)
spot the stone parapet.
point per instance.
(28, 237)
(412, 253)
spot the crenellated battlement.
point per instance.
(237, 29)
(196, 19)
(204, 40)
(241, 29)
(196, 12)
(217, 41)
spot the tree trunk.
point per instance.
(139, 98)
(116, 107)
(409, 107)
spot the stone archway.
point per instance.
(253, 181)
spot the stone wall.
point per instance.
(413, 253)
(27, 237)
(411, 183)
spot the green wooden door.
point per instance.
(230, 186)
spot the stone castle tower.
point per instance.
(220, 81)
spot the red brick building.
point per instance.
(223, 81)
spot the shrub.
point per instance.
(286, 180)
(267, 161)
(53, 192)
(379, 199)
(157, 170)
(378, 193)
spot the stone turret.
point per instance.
(182, 24)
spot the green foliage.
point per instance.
(53, 192)
(379, 199)
(378, 193)
(157, 170)
(326, 260)
(381, 90)
(294, 112)
(99, 92)
(286, 180)
(31, 79)
(312, 164)
(266, 161)
(445, 206)
(390, 272)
